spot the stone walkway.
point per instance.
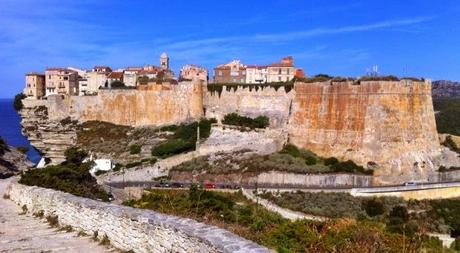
(25, 233)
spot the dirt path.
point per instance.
(25, 233)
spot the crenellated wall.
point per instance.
(130, 228)
(268, 101)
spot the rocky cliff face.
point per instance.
(12, 161)
(446, 89)
(50, 137)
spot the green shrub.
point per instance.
(331, 161)
(117, 85)
(71, 178)
(53, 221)
(135, 149)
(456, 244)
(133, 164)
(172, 147)
(373, 207)
(75, 155)
(237, 120)
(17, 103)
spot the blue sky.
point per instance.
(406, 38)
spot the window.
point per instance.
(279, 78)
(220, 73)
(49, 77)
(287, 71)
(279, 71)
(66, 78)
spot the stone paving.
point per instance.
(25, 233)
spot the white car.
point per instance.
(410, 183)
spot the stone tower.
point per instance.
(164, 61)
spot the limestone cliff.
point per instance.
(50, 137)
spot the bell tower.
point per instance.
(164, 61)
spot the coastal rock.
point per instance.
(12, 161)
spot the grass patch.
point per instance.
(40, 214)
(235, 213)
(440, 216)
(290, 159)
(105, 241)
(67, 228)
(184, 138)
(135, 149)
(53, 221)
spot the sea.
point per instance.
(10, 129)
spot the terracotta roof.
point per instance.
(279, 64)
(116, 75)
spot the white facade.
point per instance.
(280, 74)
(130, 77)
(256, 74)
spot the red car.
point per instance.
(209, 186)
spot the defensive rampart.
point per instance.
(129, 228)
(161, 104)
(383, 124)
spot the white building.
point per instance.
(256, 74)
(282, 71)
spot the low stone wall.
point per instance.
(129, 228)
(448, 176)
(307, 180)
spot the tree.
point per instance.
(117, 84)
(75, 155)
(17, 104)
(373, 207)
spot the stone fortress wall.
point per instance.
(156, 105)
(388, 125)
(130, 228)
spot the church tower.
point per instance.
(164, 61)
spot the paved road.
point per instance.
(24, 233)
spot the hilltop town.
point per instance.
(72, 81)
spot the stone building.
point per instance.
(61, 81)
(282, 71)
(256, 74)
(191, 72)
(35, 85)
(164, 61)
(232, 72)
(114, 76)
(130, 76)
(97, 78)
